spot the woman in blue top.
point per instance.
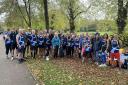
(40, 44)
(72, 41)
(48, 46)
(55, 45)
(105, 45)
(87, 48)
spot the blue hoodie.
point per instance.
(55, 41)
(81, 41)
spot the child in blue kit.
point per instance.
(124, 60)
(103, 57)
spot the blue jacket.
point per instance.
(55, 41)
(63, 41)
(7, 42)
(81, 41)
(97, 44)
(13, 37)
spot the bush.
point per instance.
(124, 39)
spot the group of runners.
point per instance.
(102, 50)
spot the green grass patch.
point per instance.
(51, 74)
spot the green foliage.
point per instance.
(87, 21)
(124, 39)
(106, 25)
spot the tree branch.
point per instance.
(22, 13)
(126, 6)
(26, 8)
(82, 12)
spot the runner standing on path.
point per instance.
(12, 73)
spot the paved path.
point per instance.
(12, 73)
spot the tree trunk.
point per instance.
(122, 17)
(72, 25)
(29, 16)
(52, 21)
(71, 18)
(46, 15)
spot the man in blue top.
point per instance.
(21, 45)
(97, 45)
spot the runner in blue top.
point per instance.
(48, 46)
(7, 44)
(87, 53)
(72, 41)
(97, 45)
(13, 42)
(28, 35)
(115, 45)
(21, 45)
(56, 44)
(33, 44)
(40, 44)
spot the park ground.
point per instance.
(12, 73)
(70, 71)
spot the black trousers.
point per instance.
(56, 51)
(8, 48)
(69, 51)
(33, 51)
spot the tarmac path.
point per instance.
(12, 73)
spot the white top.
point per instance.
(123, 57)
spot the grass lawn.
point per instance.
(69, 71)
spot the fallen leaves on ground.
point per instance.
(70, 71)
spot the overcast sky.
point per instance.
(99, 15)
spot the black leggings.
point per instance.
(69, 51)
(33, 51)
(56, 51)
(8, 48)
(24, 52)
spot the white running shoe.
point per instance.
(96, 63)
(47, 58)
(103, 65)
(12, 58)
